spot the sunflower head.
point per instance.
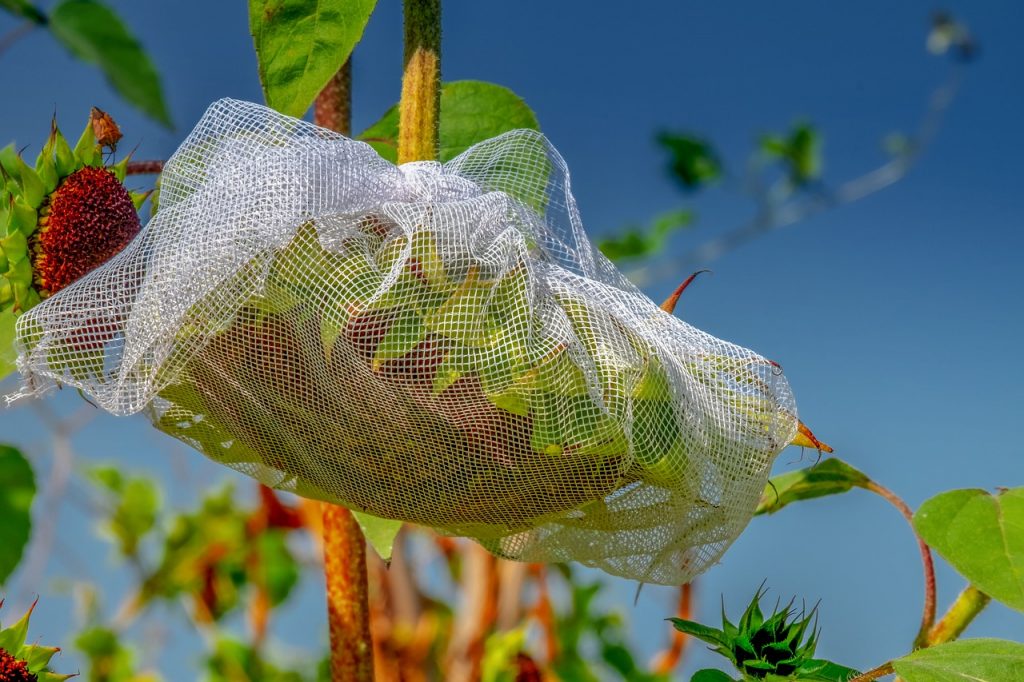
(62, 217)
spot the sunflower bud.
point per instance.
(25, 663)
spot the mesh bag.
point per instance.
(439, 344)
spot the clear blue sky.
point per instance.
(898, 319)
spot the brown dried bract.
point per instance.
(104, 128)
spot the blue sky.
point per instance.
(898, 319)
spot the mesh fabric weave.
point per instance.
(434, 343)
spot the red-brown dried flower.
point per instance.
(88, 220)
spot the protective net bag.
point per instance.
(439, 344)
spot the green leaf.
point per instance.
(799, 152)
(701, 632)
(301, 44)
(8, 354)
(135, 502)
(25, 9)
(710, 675)
(976, 660)
(692, 160)
(982, 536)
(471, 112)
(380, 533)
(641, 242)
(276, 569)
(825, 671)
(19, 487)
(831, 477)
(95, 34)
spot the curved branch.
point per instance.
(928, 613)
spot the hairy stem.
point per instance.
(333, 106)
(874, 673)
(928, 612)
(144, 167)
(348, 602)
(420, 105)
(967, 606)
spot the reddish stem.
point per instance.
(669, 659)
(151, 167)
(928, 614)
(348, 602)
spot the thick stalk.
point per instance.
(421, 82)
(348, 606)
(967, 606)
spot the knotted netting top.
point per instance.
(439, 344)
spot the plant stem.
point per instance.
(348, 604)
(420, 105)
(968, 604)
(144, 167)
(928, 613)
(333, 106)
(874, 673)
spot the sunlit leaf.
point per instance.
(301, 44)
(95, 34)
(982, 536)
(380, 533)
(16, 493)
(471, 112)
(831, 477)
(977, 660)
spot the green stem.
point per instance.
(420, 105)
(967, 606)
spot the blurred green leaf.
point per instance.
(25, 9)
(95, 34)
(277, 569)
(831, 477)
(710, 675)
(500, 652)
(134, 503)
(234, 661)
(692, 160)
(380, 533)
(8, 354)
(799, 152)
(108, 659)
(471, 112)
(19, 487)
(951, 36)
(978, 660)
(982, 536)
(301, 44)
(640, 242)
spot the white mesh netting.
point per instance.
(434, 343)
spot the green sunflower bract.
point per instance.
(439, 344)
